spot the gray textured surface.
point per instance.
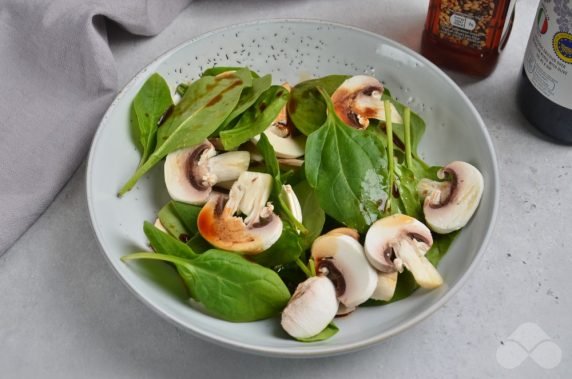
(63, 313)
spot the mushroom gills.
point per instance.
(191, 173)
(341, 258)
(358, 99)
(311, 308)
(449, 205)
(399, 241)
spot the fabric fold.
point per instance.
(57, 76)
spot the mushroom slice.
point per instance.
(281, 135)
(449, 205)
(358, 99)
(292, 201)
(341, 258)
(191, 173)
(252, 235)
(344, 311)
(386, 284)
(401, 241)
(311, 308)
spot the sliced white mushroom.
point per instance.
(341, 258)
(358, 99)
(449, 205)
(191, 173)
(292, 201)
(281, 135)
(261, 227)
(344, 311)
(386, 284)
(311, 308)
(401, 241)
(290, 162)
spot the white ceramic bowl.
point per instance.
(292, 50)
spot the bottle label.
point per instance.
(466, 23)
(548, 58)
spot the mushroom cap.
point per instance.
(385, 234)
(186, 173)
(220, 228)
(311, 308)
(449, 206)
(357, 100)
(341, 258)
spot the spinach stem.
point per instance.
(155, 256)
(407, 125)
(312, 265)
(389, 131)
(303, 267)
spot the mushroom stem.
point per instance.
(412, 255)
(437, 192)
(386, 284)
(228, 166)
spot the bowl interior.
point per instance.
(291, 50)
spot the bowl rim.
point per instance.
(289, 352)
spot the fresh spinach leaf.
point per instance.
(247, 98)
(257, 118)
(313, 217)
(171, 221)
(187, 215)
(206, 104)
(198, 244)
(348, 170)
(287, 249)
(149, 105)
(163, 243)
(306, 107)
(214, 71)
(181, 89)
(325, 334)
(229, 286)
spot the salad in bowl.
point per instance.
(301, 200)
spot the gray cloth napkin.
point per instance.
(57, 77)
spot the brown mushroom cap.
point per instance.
(449, 205)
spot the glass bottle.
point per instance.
(545, 88)
(467, 35)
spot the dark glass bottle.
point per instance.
(545, 88)
(467, 35)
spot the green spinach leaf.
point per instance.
(287, 249)
(214, 71)
(171, 221)
(163, 243)
(313, 217)
(187, 215)
(306, 107)
(257, 118)
(348, 170)
(206, 104)
(325, 334)
(149, 105)
(247, 98)
(229, 286)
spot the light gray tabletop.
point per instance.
(64, 313)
